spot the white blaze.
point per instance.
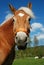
(21, 14)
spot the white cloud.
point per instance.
(36, 26)
(7, 17)
(42, 29)
(40, 36)
(7, 12)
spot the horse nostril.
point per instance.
(25, 39)
(16, 37)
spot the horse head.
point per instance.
(21, 27)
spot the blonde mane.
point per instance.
(28, 11)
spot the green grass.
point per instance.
(28, 61)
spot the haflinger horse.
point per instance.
(15, 31)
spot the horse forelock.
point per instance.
(28, 11)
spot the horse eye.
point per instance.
(29, 19)
(13, 20)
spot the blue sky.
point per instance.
(38, 9)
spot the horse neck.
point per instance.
(6, 40)
(6, 25)
(7, 29)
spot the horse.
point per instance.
(15, 31)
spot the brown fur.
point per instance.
(8, 31)
(6, 39)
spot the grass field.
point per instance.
(28, 61)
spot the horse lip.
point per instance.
(21, 47)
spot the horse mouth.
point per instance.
(20, 47)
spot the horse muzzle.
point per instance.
(21, 40)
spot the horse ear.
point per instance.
(12, 8)
(30, 5)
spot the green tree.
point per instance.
(36, 42)
(29, 42)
